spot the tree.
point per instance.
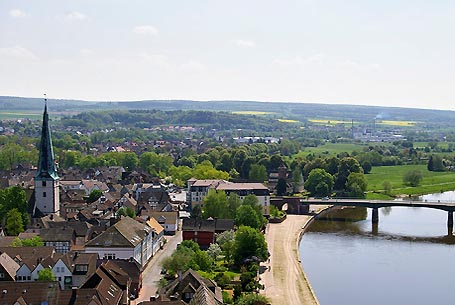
(214, 250)
(258, 172)
(196, 212)
(14, 198)
(35, 241)
(46, 275)
(319, 183)
(14, 222)
(297, 179)
(233, 203)
(281, 187)
(205, 170)
(252, 299)
(387, 186)
(356, 185)
(180, 174)
(435, 164)
(126, 211)
(347, 165)
(94, 196)
(366, 166)
(249, 242)
(215, 205)
(412, 177)
(247, 216)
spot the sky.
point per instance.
(368, 52)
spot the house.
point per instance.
(128, 201)
(87, 185)
(83, 266)
(198, 189)
(62, 238)
(124, 240)
(244, 189)
(63, 272)
(8, 268)
(30, 293)
(81, 229)
(105, 287)
(158, 231)
(203, 231)
(28, 258)
(168, 220)
(191, 288)
(133, 270)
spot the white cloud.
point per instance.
(148, 30)
(17, 13)
(300, 61)
(18, 52)
(244, 43)
(75, 16)
(193, 66)
(86, 52)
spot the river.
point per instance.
(407, 259)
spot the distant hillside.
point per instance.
(299, 111)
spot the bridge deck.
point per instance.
(445, 206)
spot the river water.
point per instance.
(407, 259)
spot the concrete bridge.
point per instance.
(376, 204)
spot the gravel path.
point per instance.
(283, 276)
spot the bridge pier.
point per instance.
(375, 216)
(450, 223)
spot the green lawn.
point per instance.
(19, 115)
(332, 149)
(432, 182)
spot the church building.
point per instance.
(47, 198)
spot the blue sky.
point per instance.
(391, 53)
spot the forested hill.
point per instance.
(219, 120)
(298, 111)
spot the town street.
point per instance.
(151, 274)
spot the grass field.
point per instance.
(331, 149)
(19, 115)
(432, 182)
(253, 112)
(396, 123)
(329, 122)
(287, 121)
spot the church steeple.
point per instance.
(46, 163)
(47, 198)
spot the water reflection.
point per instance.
(407, 255)
(353, 221)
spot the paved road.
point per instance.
(283, 276)
(151, 274)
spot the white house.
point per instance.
(24, 273)
(124, 240)
(63, 274)
(198, 189)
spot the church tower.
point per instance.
(47, 198)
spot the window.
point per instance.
(44, 194)
(109, 255)
(43, 183)
(82, 268)
(2, 275)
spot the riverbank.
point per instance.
(283, 276)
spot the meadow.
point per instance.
(331, 149)
(432, 182)
(20, 115)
